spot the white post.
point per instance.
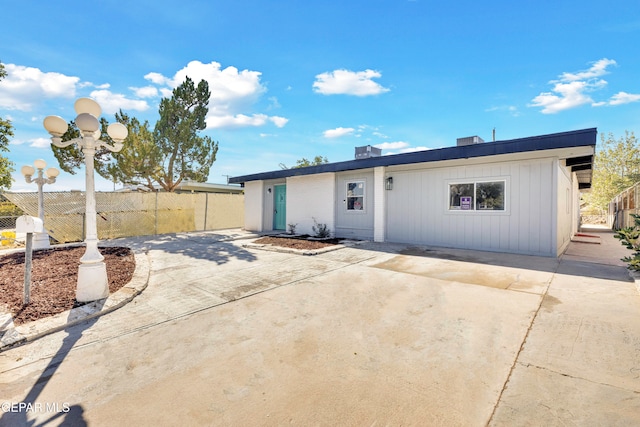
(92, 272)
(41, 239)
(28, 253)
(40, 182)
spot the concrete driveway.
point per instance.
(375, 334)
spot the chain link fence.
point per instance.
(7, 232)
(131, 213)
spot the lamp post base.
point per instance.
(92, 282)
(41, 241)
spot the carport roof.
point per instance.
(578, 138)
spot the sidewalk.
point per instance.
(580, 362)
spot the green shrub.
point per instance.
(7, 238)
(630, 237)
(321, 230)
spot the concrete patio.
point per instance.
(375, 334)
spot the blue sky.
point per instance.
(293, 79)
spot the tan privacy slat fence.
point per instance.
(134, 214)
(622, 206)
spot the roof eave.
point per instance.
(578, 138)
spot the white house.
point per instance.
(516, 196)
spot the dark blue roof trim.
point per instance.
(578, 138)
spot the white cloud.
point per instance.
(40, 143)
(392, 145)
(566, 96)
(571, 89)
(337, 132)
(274, 102)
(227, 85)
(402, 148)
(599, 68)
(233, 93)
(624, 98)
(237, 121)
(511, 109)
(24, 87)
(379, 134)
(278, 121)
(345, 82)
(157, 78)
(145, 92)
(112, 102)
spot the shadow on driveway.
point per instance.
(203, 246)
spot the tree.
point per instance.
(138, 161)
(304, 162)
(182, 153)
(71, 158)
(6, 132)
(170, 153)
(616, 168)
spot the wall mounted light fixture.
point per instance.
(388, 183)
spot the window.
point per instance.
(477, 196)
(355, 196)
(461, 196)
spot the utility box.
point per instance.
(469, 140)
(367, 152)
(29, 224)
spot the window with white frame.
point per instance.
(477, 196)
(355, 195)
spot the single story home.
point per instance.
(515, 196)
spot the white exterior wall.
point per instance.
(565, 209)
(253, 205)
(308, 197)
(418, 209)
(356, 224)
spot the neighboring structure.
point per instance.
(516, 196)
(188, 186)
(623, 206)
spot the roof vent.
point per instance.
(367, 151)
(469, 140)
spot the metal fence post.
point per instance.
(28, 252)
(155, 230)
(206, 210)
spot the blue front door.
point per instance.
(280, 207)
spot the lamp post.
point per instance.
(92, 272)
(41, 240)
